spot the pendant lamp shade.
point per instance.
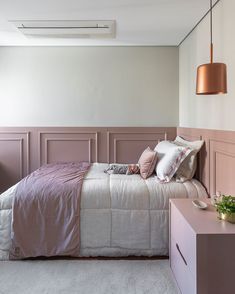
(211, 77)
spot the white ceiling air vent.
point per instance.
(67, 28)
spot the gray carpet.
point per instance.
(87, 277)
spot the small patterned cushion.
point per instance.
(117, 169)
(133, 169)
(123, 169)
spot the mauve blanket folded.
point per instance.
(46, 212)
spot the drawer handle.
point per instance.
(177, 246)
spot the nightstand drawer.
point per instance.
(201, 249)
(185, 239)
(180, 270)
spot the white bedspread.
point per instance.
(120, 215)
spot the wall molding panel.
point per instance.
(22, 150)
(67, 146)
(14, 157)
(119, 141)
(216, 159)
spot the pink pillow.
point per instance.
(147, 162)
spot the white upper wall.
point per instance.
(89, 86)
(216, 111)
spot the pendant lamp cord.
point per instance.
(211, 45)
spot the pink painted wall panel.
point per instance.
(121, 145)
(68, 146)
(67, 150)
(216, 159)
(14, 157)
(11, 161)
(222, 167)
(23, 150)
(126, 145)
(224, 177)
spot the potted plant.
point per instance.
(225, 206)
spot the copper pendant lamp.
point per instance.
(211, 77)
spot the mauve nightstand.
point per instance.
(202, 249)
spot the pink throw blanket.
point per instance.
(46, 212)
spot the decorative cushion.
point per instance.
(147, 162)
(133, 169)
(170, 156)
(122, 169)
(188, 167)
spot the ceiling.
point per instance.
(138, 22)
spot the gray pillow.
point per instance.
(117, 169)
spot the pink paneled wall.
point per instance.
(22, 150)
(216, 168)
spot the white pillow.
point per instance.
(170, 156)
(188, 167)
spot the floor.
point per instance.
(87, 277)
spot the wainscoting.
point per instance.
(22, 150)
(216, 161)
(14, 156)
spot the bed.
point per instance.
(121, 215)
